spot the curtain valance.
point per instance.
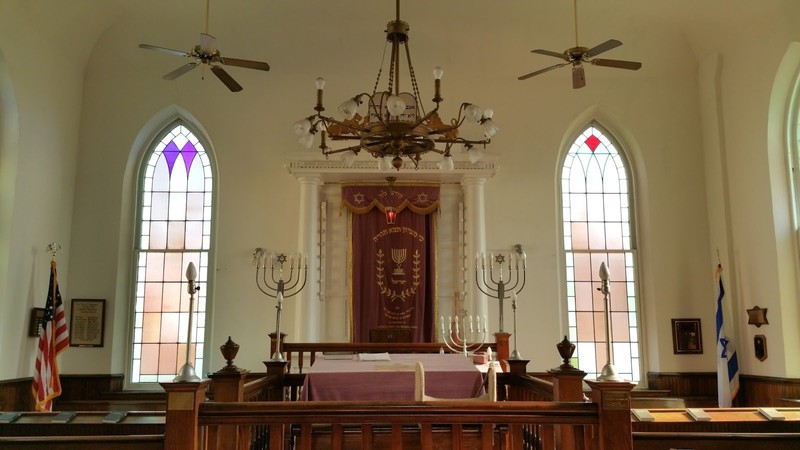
(361, 198)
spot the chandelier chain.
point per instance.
(414, 86)
(380, 69)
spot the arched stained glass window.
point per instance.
(597, 213)
(175, 201)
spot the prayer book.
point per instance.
(8, 417)
(771, 414)
(63, 417)
(643, 415)
(698, 414)
(114, 417)
(374, 357)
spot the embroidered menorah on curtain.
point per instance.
(393, 266)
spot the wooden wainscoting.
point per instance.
(91, 392)
(768, 391)
(701, 387)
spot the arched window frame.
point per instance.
(584, 279)
(793, 127)
(201, 257)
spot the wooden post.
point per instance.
(568, 387)
(276, 370)
(273, 342)
(228, 386)
(517, 367)
(613, 400)
(501, 341)
(181, 431)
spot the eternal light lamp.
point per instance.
(395, 126)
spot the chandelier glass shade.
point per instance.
(394, 126)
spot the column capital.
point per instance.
(473, 181)
(315, 179)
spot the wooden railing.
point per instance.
(357, 425)
(535, 414)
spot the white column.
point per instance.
(475, 226)
(307, 314)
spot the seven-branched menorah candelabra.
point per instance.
(277, 286)
(508, 276)
(465, 341)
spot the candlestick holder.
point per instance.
(187, 373)
(272, 281)
(515, 354)
(609, 372)
(497, 275)
(465, 341)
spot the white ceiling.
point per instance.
(259, 29)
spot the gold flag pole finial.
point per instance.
(53, 249)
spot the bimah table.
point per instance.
(446, 376)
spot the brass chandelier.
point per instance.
(395, 125)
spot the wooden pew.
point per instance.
(86, 431)
(725, 429)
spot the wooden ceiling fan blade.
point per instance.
(226, 79)
(578, 76)
(207, 42)
(551, 53)
(164, 50)
(541, 71)
(618, 64)
(246, 63)
(180, 71)
(604, 47)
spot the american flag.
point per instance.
(53, 340)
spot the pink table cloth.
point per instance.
(446, 376)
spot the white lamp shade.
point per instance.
(302, 127)
(320, 82)
(349, 108)
(438, 72)
(307, 140)
(475, 155)
(349, 158)
(489, 128)
(384, 163)
(395, 105)
(447, 163)
(473, 112)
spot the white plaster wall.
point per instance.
(761, 265)
(42, 95)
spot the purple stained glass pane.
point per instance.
(171, 154)
(188, 152)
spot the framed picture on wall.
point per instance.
(687, 337)
(87, 322)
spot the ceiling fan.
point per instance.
(205, 54)
(578, 55)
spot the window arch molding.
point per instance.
(150, 139)
(583, 308)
